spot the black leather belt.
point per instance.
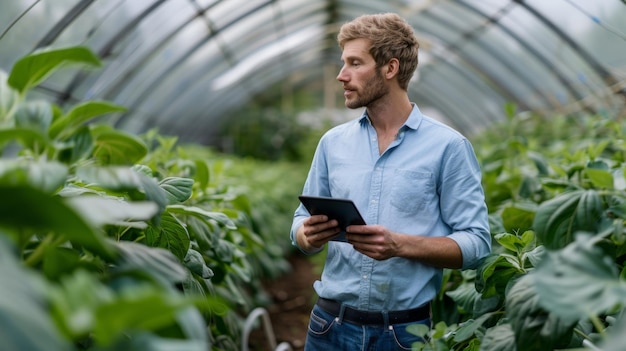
(361, 317)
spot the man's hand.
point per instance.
(374, 241)
(380, 243)
(316, 231)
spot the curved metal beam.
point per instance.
(171, 68)
(598, 68)
(518, 73)
(531, 50)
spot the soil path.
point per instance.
(293, 297)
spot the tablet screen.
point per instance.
(343, 210)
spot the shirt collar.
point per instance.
(414, 120)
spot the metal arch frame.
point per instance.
(226, 102)
(468, 78)
(598, 68)
(131, 72)
(495, 54)
(283, 58)
(534, 53)
(167, 71)
(58, 28)
(106, 50)
(195, 134)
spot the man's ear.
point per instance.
(392, 68)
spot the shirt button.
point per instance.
(365, 277)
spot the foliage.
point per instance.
(556, 278)
(116, 241)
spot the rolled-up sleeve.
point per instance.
(463, 203)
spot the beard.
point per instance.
(373, 89)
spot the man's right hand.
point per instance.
(316, 231)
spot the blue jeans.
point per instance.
(328, 333)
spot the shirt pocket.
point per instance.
(411, 191)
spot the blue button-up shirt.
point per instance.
(427, 182)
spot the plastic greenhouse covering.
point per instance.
(184, 65)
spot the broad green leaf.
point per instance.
(77, 147)
(219, 217)
(138, 308)
(123, 179)
(112, 177)
(35, 115)
(465, 296)
(157, 261)
(528, 237)
(202, 174)
(535, 255)
(225, 251)
(177, 189)
(80, 114)
(510, 241)
(499, 338)
(554, 219)
(101, 211)
(494, 275)
(34, 68)
(534, 327)
(25, 322)
(29, 138)
(143, 169)
(196, 264)
(468, 328)
(169, 234)
(589, 211)
(601, 179)
(30, 211)
(203, 231)
(529, 186)
(46, 176)
(579, 281)
(113, 147)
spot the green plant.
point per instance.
(556, 278)
(118, 241)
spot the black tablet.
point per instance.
(343, 210)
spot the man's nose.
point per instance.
(342, 76)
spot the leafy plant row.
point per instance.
(556, 190)
(112, 241)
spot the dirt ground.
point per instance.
(293, 297)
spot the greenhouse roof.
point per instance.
(184, 65)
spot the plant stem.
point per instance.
(49, 241)
(597, 323)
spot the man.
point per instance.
(417, 184)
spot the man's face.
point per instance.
(363, 83)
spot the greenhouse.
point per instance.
(152, 153)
